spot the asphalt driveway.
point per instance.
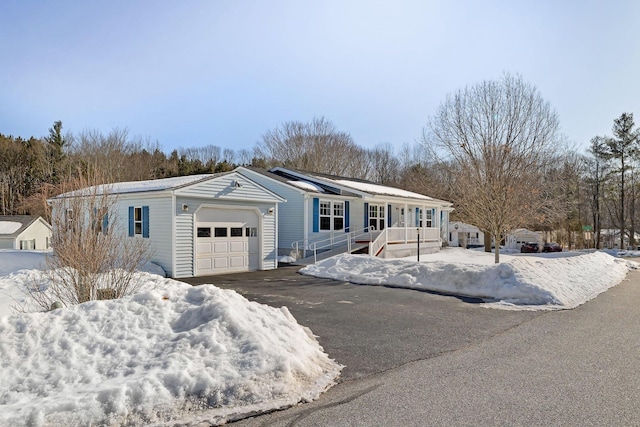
(371, 329)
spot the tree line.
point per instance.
(493, 149)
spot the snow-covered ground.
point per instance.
(179, 354)
(170, 354)
(520, 282)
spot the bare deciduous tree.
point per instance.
(496, 136)
(316, 146)
(91, 259)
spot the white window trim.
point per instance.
(331, 216)
(135, 221)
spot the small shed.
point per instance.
(25, 232)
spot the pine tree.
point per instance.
(623, 147)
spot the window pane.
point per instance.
(381, 210)
(252, 232)
(338, 209)
(138, 228)
(220, 232)
(204, 231)
(325, 223)
(338, 223)
(373, 211)
(325, 208)
(373, 223)
(138, 214)
(236, 232)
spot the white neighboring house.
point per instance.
(516, 238)
(333, 213)
(465, 235)
(199, 225)
(24, 232)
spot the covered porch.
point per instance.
(403, 229)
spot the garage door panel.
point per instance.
(221, 247)
(204, 248)
(220, 262)
(237, 261)
(204, 264)
(237, 247)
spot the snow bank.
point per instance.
(12, 260)
(178, 354)
(19, 267)
(554, 281)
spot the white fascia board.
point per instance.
(266, 190)
(394, 199)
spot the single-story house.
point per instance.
(198, 225)
(516, 238)
(24, 232)
(465, 235)
(324, 212)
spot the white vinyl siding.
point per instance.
(290, 213)
(184, 244)
(160, 225)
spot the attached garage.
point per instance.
(200, 225)
(227, 240)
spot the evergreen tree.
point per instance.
(56, 143)
(623, 147)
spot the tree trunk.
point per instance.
(622, 207)
(487, 241)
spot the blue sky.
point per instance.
(191, 73)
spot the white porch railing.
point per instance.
(334, 240)
(402, 235)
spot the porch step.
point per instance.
(355, 248)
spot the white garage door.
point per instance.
(226, 241)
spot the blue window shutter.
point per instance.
(316, 214)
(105, 223)
(346, 216)
(417, 217)
(130, 221)
(433, 217)
(145, 221)
(388, 215)
(366, 216)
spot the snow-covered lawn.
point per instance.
(520, 282)
(179, 354)
(170, 354)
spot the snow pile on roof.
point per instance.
(170, 354)
(9, 227)
(537, 282)
(306, 185)
(139, 186)
(380, 189)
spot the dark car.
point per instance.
(530, 247)
(551, 247)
